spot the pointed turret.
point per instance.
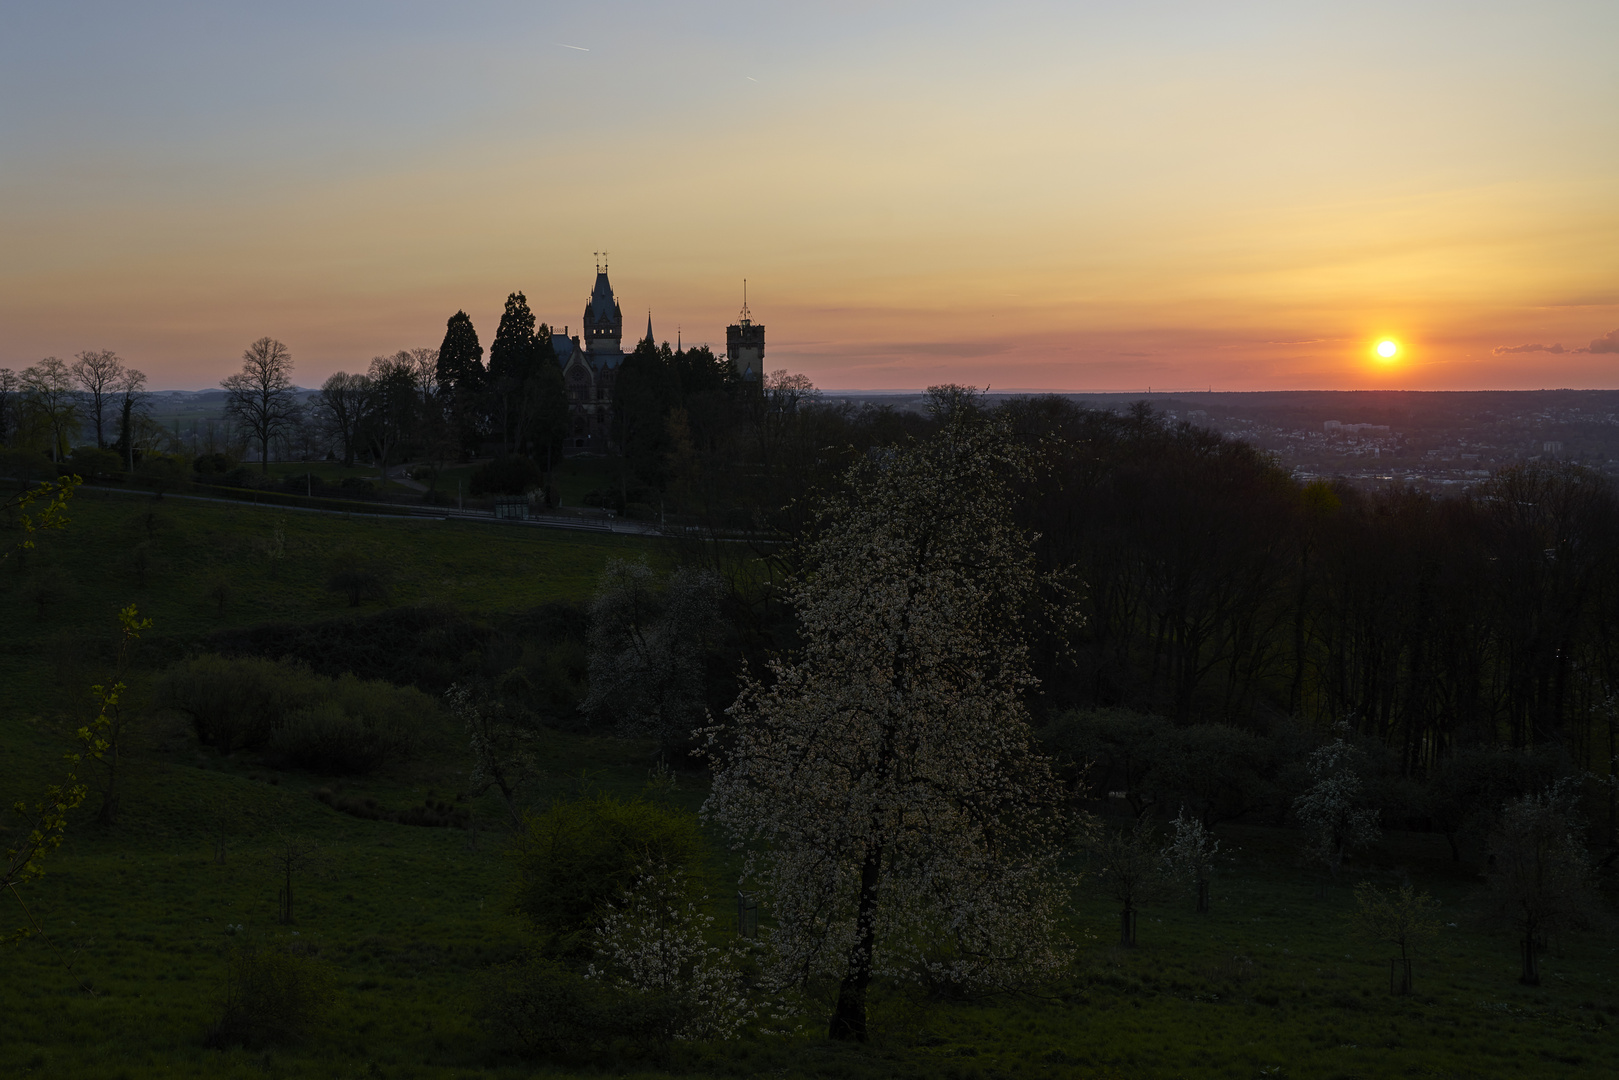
(604, 322)
(650, 340)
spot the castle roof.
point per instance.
(602, 307)
(565, 347)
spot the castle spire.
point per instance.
(649, 339)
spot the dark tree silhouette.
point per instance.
(260, 395)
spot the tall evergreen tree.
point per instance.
(512, 361)
(512, 353)
(460, 358)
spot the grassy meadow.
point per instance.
(140, 917)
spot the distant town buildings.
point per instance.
(1338, 427)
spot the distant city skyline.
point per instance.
(1074, 197)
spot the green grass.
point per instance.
(274, 563)
(1271, 984)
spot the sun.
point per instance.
(1387, 349)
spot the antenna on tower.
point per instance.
(747, 319)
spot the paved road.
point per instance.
(425, 513)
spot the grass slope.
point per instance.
(1271, 984)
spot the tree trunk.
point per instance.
(849, 1015)
(1531, 962)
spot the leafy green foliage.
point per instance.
(580, 855)
(342, 725)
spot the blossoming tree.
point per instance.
(885, 778)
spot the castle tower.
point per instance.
(745, 344)
(604, 322)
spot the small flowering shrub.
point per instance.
(1189, 855)
(1333, 811)
(654, 940)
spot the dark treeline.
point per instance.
(1216, 588)
(1220, 589)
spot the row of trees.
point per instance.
(438, 404)
(47, 405)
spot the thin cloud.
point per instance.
(1502, 350)
(578, 48)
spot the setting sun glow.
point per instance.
(1387, 349)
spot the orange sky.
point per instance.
(1064, 196)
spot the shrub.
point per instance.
(359, 728)
(245, 477)
(654, 940)
(579, 856)
(357, 486)
(335, 726)
(162, 471)
(272, 996)
(213, 464)
(432, 813)
(511, 474)
(26, 464)
(93, 463)
(236, 702)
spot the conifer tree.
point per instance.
(460, 357)
(511, 354)
(512, 357)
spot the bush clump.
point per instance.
(580, 856)
(93, 463)
(432, 813)
(334, 726)
(211, 465)
(510, 474)
(272, 996)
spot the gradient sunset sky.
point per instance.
(1079, 196)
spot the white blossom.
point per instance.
(654, 940)
(1333, 812)
(900, 822)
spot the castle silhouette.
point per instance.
(590, 360)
